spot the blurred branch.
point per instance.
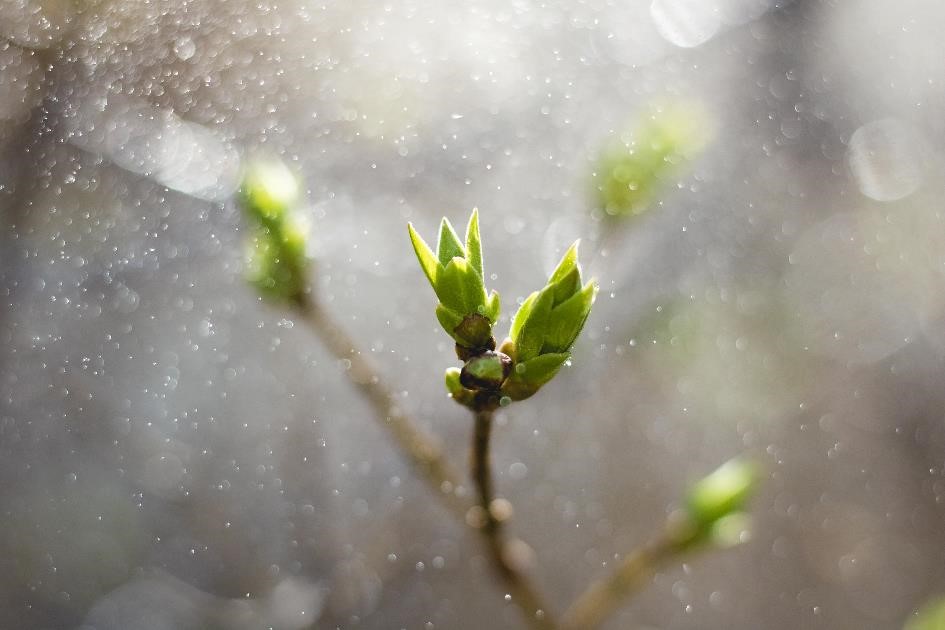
(424, 454)
(422, 450)
(605, 596)
(278, 266)
(536, 612)
(713, 516)
(542, 333)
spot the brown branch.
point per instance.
(422, 450)
(606, 595)
(425, 455)
(520, 588)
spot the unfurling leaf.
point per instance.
(455, 273)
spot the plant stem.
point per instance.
(422, 450)
(519, 587)
(604, 596)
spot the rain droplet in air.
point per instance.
(184, 48)
(685, 23)
(885, 159)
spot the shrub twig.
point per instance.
(425, 455)
(493, 531)
(603, 597)
(421, 449)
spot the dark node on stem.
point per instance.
(485, 401)
(486, 371)
(476, 331)
(465, 354)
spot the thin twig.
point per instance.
(605, 596)
(423, 451)
(520, 588)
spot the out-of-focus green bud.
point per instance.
(631, 172)
(455, 272)
(730, 531)
(277, 262)
(931, 617)
(546, 326)
(722, 493)
(269, 189)
(456, 390)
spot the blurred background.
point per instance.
(758, 187)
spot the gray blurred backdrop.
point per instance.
(176, 454)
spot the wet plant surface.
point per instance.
(754, 186)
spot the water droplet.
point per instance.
(184, 48)
(885, 157)
(685, 23)
(518, 471)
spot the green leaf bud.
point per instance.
(528, 377)
(550, 320)
(456, 390)
(632, 170)
(486, 371)
(269, 189)
(460, 288)
(731, 530)
(723, 492)
(568, 319)
(456, 274)
(476, 331)
(542, 332)
(566, 277)
(428, 261)
(547, 325)
(453, 385)
(521, 316)
(474, 242)
(277, 261)
(531, 334)
(448, 246)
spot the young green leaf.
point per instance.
(450, 321)
(567, 264)
(455, 272)
(521, 315)
(460, 288)
(568, 319)
(492, 307)
(531, 333)
(428, 262)
(542, 369)
(528, 377)
(567, 285)
(474, 243)
(448, 246)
